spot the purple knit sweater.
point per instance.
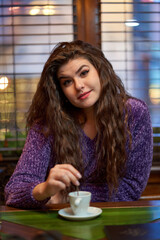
(37, 159)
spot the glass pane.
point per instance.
(131, 41)
(29, 30)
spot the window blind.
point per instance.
(130, 33)
(28, 32)
(130, 39)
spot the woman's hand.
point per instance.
(60, 177)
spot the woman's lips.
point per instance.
(84, 95)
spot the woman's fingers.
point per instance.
(69, 168)
(67, 177)
(66, 174)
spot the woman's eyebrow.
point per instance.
(62, 77)
(79, 69)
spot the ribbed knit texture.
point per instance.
(37, 159)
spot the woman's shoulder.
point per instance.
(35, 129)
(136, 103)
(36, 137)
(38, 131)
(138, 111)
(38, 128)
(137, 106)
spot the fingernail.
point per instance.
(77, 183)
(79, 175)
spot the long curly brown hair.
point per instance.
(59, 118)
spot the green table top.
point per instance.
(89, 229)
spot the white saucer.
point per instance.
(91, 213)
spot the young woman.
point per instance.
(85, 132)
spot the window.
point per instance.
(29, 30)
(130, 33)
(130, 39)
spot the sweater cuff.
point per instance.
(36, 203)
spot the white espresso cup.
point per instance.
(79, 202)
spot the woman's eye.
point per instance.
(84, 73)
(67, 82)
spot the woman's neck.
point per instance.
(89, 126)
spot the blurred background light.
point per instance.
(3, 82)
(132, 23)
(48, 10)
(14, 9)
(35, 10)
(154, 94)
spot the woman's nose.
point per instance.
(79, 84)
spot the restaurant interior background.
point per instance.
(128, 32)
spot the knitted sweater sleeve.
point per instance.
(31, 170)
(139, 160)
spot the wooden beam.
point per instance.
(88, 21)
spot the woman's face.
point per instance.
(80, 83)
